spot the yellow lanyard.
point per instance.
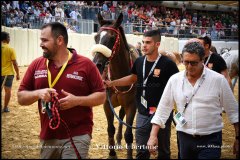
(59, 73)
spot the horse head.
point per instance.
(107, 41)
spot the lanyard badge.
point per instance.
(144, 102)
(179, 119)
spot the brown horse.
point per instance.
(114, 58)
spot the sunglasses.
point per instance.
(193, 63)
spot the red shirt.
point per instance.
(218, 26)
(42, 14)
(112, 9)
(80, 78)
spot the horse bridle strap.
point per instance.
(110, 28)
(117, 41)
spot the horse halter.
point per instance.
(117, 41)
(116, 44)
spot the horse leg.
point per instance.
(233, 74)
(111, 131)
(128, 135)
(119, 133)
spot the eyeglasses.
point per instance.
(193, 63)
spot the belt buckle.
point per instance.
(196, 136)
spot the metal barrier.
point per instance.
(183, 32)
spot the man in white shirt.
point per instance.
(59, 13)
(199, 94)
(47, 18)
(234, 30)
(74, 13)
(36, 11)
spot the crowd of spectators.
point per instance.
(141, 17)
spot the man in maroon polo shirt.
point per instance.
(77, 83)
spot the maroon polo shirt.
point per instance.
(80, 78)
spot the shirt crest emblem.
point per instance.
(156, 72)
(210, 65)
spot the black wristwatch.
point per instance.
(237, 137)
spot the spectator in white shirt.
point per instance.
(115, 3)
(199, 94)
(47, 18)
(74, 14)
(234, 29)
(58, 11)
(46, 4)
(62, 14)
(81, 3)
(36, 11)
(15, 4)
(172, 26)
(234, 26)
(183, 26)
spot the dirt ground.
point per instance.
(21, 127)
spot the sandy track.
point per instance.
(21, 126)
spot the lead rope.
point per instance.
(109, 76)
(55, 122)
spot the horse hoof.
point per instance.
(112, 157)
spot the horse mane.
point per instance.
(124, 37)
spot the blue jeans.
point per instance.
(200, 147)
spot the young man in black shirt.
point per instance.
(150, 73)
(213, 60)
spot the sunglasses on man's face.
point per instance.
(193, 63)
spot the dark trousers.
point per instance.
(200, 147)
(143, 134)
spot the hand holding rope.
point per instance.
(52, 109)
